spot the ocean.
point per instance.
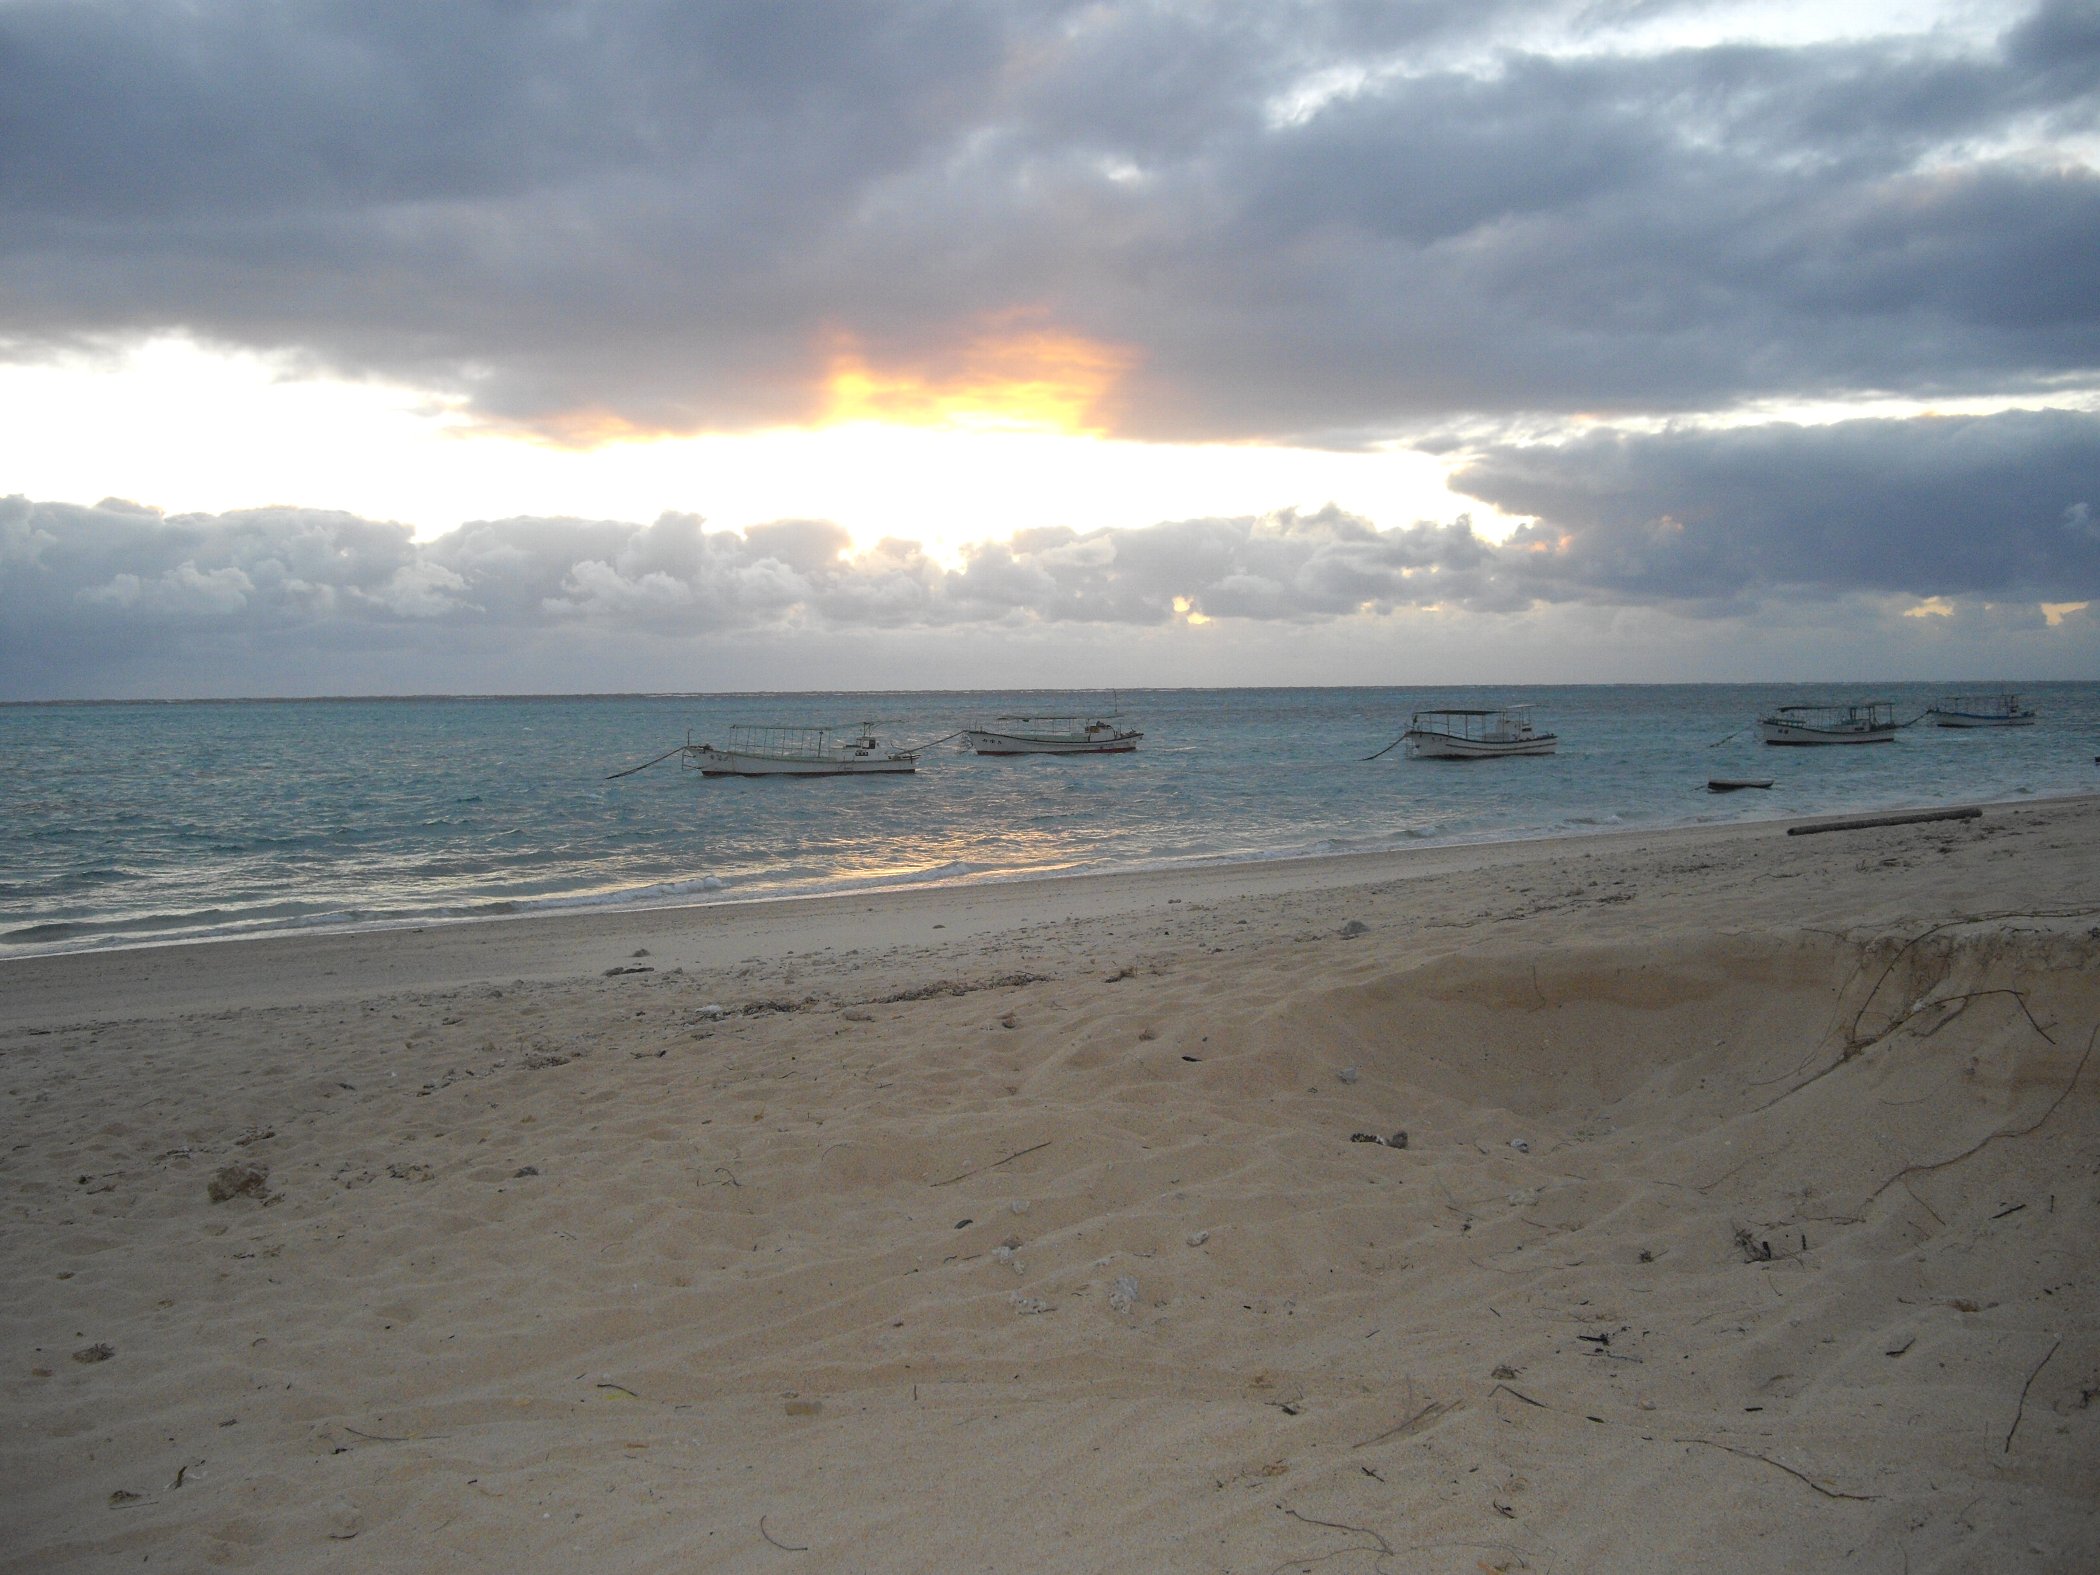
(134, 823)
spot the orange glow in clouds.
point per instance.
(1026, 382)
(587, 427)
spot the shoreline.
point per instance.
(499, 909)
(161, 978)
(507, 822)
(507, 909)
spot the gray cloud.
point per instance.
(672, 211)
(1707, 525)
(1983, 506)
(81, 579)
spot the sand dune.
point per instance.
(1745, 1221)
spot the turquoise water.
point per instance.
(131, 823)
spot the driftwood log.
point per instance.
(1863, 822)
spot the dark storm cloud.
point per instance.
(2003, 506)
(1977, 510)
(1326, 220)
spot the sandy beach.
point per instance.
(1696, 1200)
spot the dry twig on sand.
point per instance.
(1519, 1394)
(1799, 1476)
(995, 1164)
(1414, 1424)
(1941, 1164)
(2021, 1409)
(1954, 924)
(1383, 1548)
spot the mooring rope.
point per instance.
(913, 749)
(646, 764)
(1389, 748)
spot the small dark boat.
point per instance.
(1730, 784)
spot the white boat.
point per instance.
(1051, 735)
(1476, 735)
(2002, 709)
(1864, 722)
(755, 751)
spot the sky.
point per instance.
(375, 346)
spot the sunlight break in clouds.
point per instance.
(996, 444)
(1031, 381)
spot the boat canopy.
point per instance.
(1866, 709)
(765, 739)
(2001, 702)
(1501, 724)
(1493, 710)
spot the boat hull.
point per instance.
(1443, 746)
(1775, 732)
(712, 762)
(986, 743)
(1999, 708)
